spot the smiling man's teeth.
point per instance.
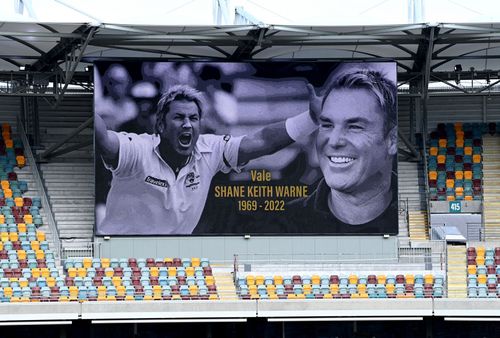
(341, 159)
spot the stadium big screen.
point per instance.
(232, 148)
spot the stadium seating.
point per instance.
(140, 279)
(340, 286)
(455, 162)
(483, 272)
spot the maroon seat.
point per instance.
(372, 279)
(12, 176)
(175, 289)
(450, 175)
(68, 281)
(16, 245)
(334, 279)
(212, 289)
(207, 271)
(181, 280)
(118, 271)
(97, 281)
(17, 273)
(54, 290)
(3, 254)
(150, 262)
(2, 201)
(176, 262)
(132, 262)
(23, 263)
(288, 289)
(400, 279)
(99, 272)
(153, 280)
(459, 159)
(27, 201)
(296, 279)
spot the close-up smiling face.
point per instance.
(181, 126)
(353, 148)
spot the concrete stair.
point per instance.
(457, 264)
(418, 224)
(224, 281)
(491, 187)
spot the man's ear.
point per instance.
(392, 140)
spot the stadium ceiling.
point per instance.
(420, 50)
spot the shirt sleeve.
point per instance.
(128, 155)
(231, 147)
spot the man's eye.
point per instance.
(194, 118)
(356, 127)
(326, 125)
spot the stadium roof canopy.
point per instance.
(58, 35)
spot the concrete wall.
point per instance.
(252, 249)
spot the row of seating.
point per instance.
(483, 272)
(455, 162)
(88, 262)
(144, 271)
(11, 151)
(333, 286)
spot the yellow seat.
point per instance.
(45, 272)
(450, 198)
(73, 291)
(467, 150)
(315, 279)
(252, 289)
(168, 261)
(23, 283)
(64, 299)
(271, 288)
(471, 269)
(21, 254)
(389, 288)
(101, 291)
(459, 142)
(51, 281)
(441, 159)
(209, 280)
(4, 236)
(109, 272)
(259, 280)
(195, 262)
(35, 245)
(155, 271)
(189, 271)
(2, 218)
(193, 290)
(72, 272)
(21, 227)
(172, 271)
(353, 279)
(273, 296)
(327, 296)
(381, 279)
(459, 175)
(442, 143)
(450, 183)
(459, 136)
(306, 288)
(117, 281)
(300, 296)
(105, 262)
(113, 298)
(213, 297)
(120, 290)
(9, 143)
(428, 279)
(468, 198)
(476, 158)
(482, 279)
(40, 236)
(35, 273)
(157, 292)
(7, 193)
(81, 272)
(433, 151)
(433, 175)
(480, 260)
(468, 175)
(5, 184)
(278, 280)
(480, 250)
(87, 262)
(40, 254)
(250, 280)
(18, 201)
(21, 161)
(410, 279)
(13, 236)
(7, 291)
(131, 298)
(361, 288)
(334, 289)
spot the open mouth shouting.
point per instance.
(185, 139)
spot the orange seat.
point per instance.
(9, 143)
(459, 142)
(433, 175)
(442, 142)
(450, 198)
(7, 193)
(441, 159)
(450, 183)
(476, 158)
(21, 161)
(467, 150)
(459, 175)
(433, 151)
(468, 198)
(468, 175)
(459, 190)
(18, 201)
(459, 134)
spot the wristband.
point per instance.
(300, 126)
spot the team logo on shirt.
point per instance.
(192, 180)
(156, 181)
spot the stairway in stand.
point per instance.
(225, 284)
(491, 186)
(419, 229)
(457, 266)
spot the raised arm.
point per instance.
(278, 135)
(106, 141)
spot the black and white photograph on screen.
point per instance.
(212, 148)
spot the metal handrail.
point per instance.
(41, 188)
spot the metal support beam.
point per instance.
(49, 152)
(245, 49)
(69, 75)
(70, 148)
(413, 151)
